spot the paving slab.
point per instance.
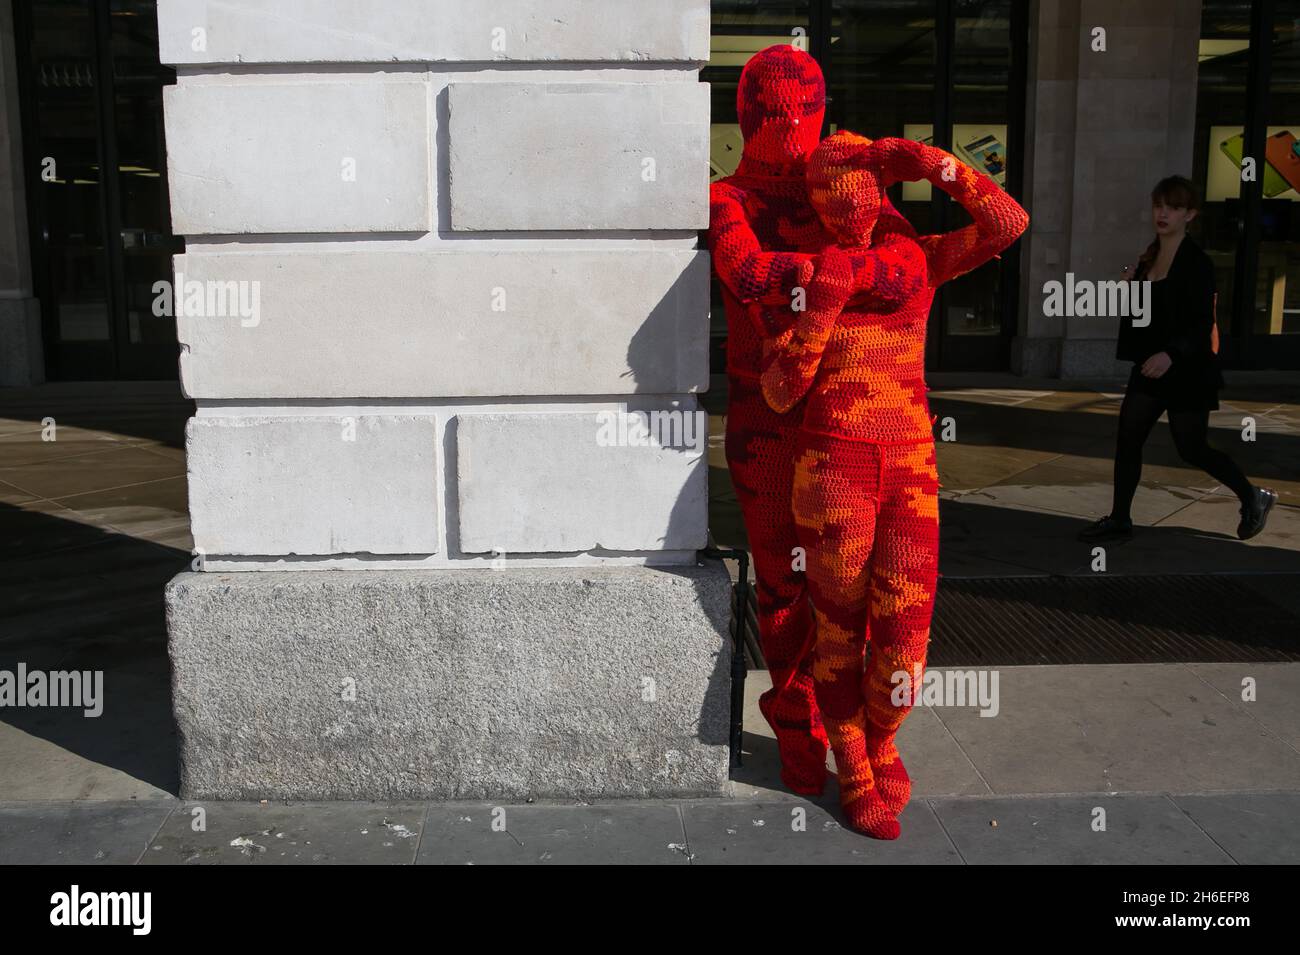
(137, 510)
(38, 527)
(611, 834)
(1277, 548)
(1110, 728)
(980, 537)
(279, 834)
(1082, 492)
(1276, 691)
(1253, 828)
(95, 471)
(128, 752)
(807, 833)
(1138, 830)
(12, 496)
(27, 448)
(964, 467)
(78, 834)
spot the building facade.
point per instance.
(1076, 106)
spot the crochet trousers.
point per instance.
(867, 516)
(761, 446)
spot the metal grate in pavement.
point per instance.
(1025, 621)
(1016, 621)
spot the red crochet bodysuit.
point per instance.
(762, 231)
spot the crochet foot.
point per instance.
(868, 814)
(890, 774)
(864, 808)
(803, 754)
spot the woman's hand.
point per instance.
(1157, 364)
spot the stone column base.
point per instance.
(1068, 358)
(1036, 357)
(21, 356)
(457, 684)
(1091, 358)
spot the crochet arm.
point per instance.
(771, 278)
(791, 359)
(891, 271)
(998, 219)
(750, 273)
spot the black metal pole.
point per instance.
(738, 667)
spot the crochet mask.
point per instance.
(780, 102)
(845, 187)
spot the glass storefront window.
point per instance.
(1256, 250)
(981, 106)
(893, 73)
(883, 80)
(62, 62)
(1224, 61)
(91, 85)
(1277, 281)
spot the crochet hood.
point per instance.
(780, 103)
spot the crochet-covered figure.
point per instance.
(865, 496)
(762, 232)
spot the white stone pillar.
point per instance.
(439, 255)
(1109, 114)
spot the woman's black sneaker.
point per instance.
(1255, 515)
(1107, 529)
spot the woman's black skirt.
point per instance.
(1191, 387)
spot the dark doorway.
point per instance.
(91, 91)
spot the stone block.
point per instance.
(338, 155)
(559, 683)
(550, 483)
(462, 323)
(297, 484)
(327, 31)
(533, 156)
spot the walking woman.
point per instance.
(1175, 368)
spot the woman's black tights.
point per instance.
(1137, 415)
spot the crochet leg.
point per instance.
(835, 487)
(904, 572)
(760, 452)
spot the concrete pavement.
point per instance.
(1196, 762)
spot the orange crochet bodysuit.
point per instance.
(762, 233)
(868, 361)
(865, 487)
